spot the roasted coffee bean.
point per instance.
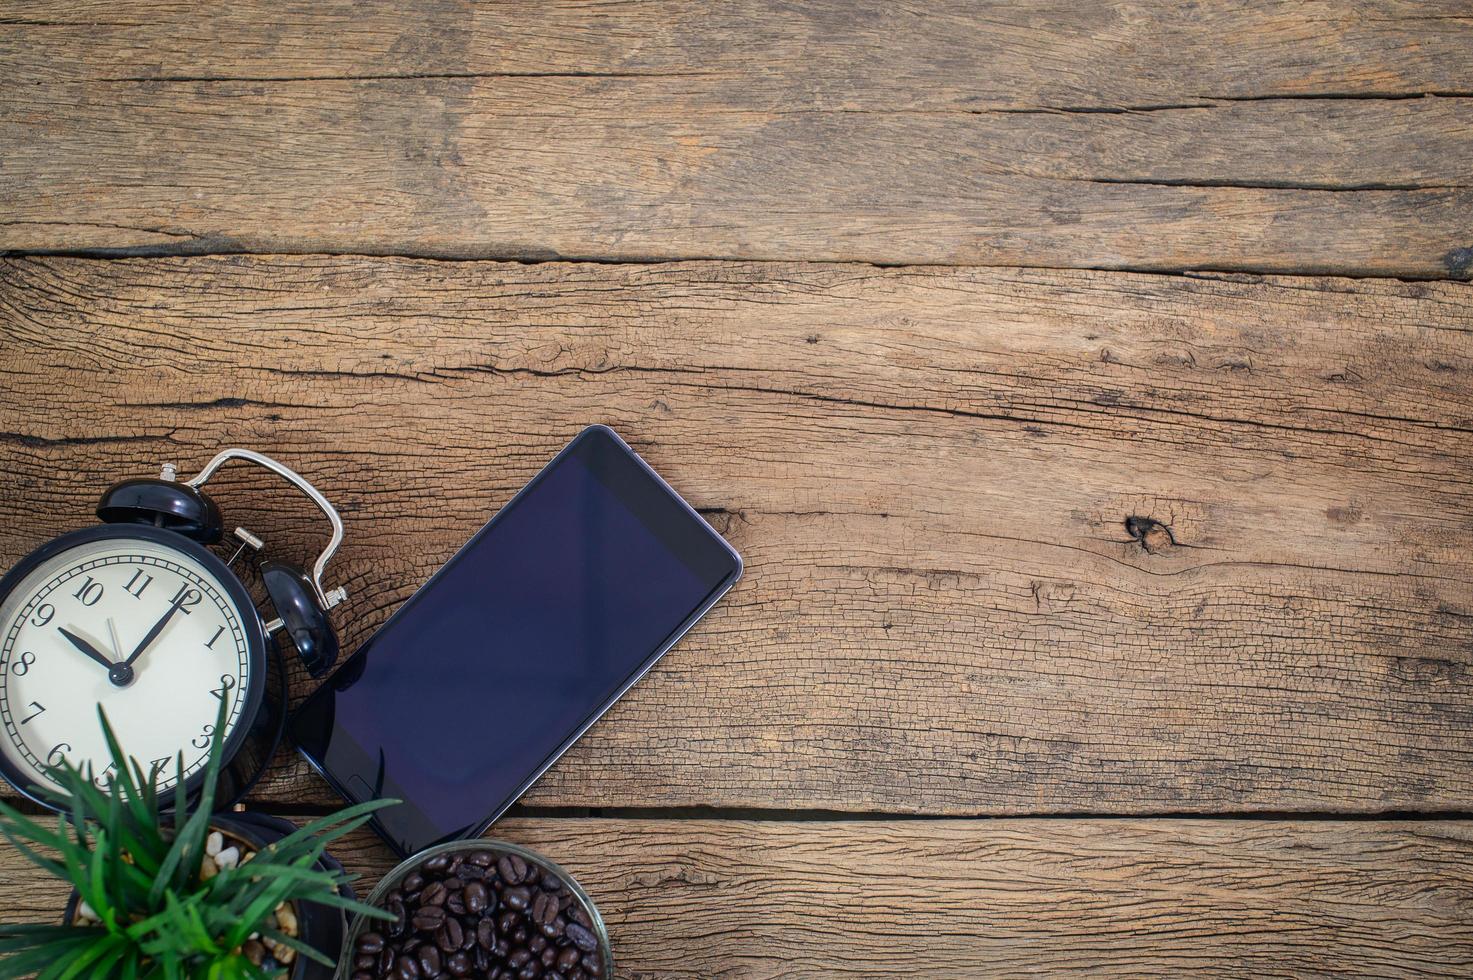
(537, 944)
(567, 958)
(455, 904)
(437, 864)
(517, 898)
(470, 872)
(408, 968)
(429, 918)
(450, 936)
(385, 961)
(534, 875)
(580, 916)
(480, 959)
(412, 883)
(531, 971)
(592, 964)
(553, 975)
(544, 908)
(370, 942)
(506, 922)
(555, 928)
(364, 961)
(429, 960)
(485, 933)
(481, 859)
(476, 896)
(581, 937)
(513, 869)
(519, 935)
(518, 956)
(362, 975)
(434, 894)
(459, 965)
(549, 954)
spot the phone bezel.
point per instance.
(313, 703)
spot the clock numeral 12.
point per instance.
(185, 598)
(137, 592)
(89, 592)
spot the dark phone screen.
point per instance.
(493, 667)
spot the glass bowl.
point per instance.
(378, 897)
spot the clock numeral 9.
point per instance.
(202, 740)
(22, 665)
(57, 755)
(45, 612)
(89, 592)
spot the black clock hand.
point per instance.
(85, 647)
(152, 634)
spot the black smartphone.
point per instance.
(508, 654)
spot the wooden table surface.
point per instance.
(1088, 386)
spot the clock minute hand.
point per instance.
(152, 634)
(85, 647)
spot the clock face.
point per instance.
(145, 630)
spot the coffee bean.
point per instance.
(553, 975)
(385, 961)
(506, 923)
(567, 958)
(459, 964)
(581, 937)
(450, 936)
(518, 957)
(476, 897)
(591, 964)
(429, 961)
(531, 971)
(537, 944)
(429, 918)
(481, 859)
(485, 933)
(513, 869)
(362, 975)
(412, 883)
(370, 942)
(549, 954)
(519, 934)
(544, 908)
(516, 898)
(434, 894)
(470, 872)
(555, 928)
(437, 864)
(408, 968)
(580, 916)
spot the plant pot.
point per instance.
(320, 926)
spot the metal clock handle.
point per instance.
(328, 599)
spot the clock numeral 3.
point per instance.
(34, 714)
(22, 665)
(44, 614)
(135, 587)
(58, 752)
(89, 592)
(186, 597)
(203, 739)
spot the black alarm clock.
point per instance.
(140, 617)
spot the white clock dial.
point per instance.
(145, 631)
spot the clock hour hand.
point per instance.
(152, 634)
(85, 647)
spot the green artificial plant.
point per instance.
(137, 867)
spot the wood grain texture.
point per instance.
(1017, 542)
(733, 899)
(1280, 137)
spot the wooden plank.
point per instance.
(995, 898)
(1283, 137)
(1017, 542)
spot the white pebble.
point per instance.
(228, 858)
(84, 912)
(214, 843)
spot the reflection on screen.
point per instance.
(520, 639)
